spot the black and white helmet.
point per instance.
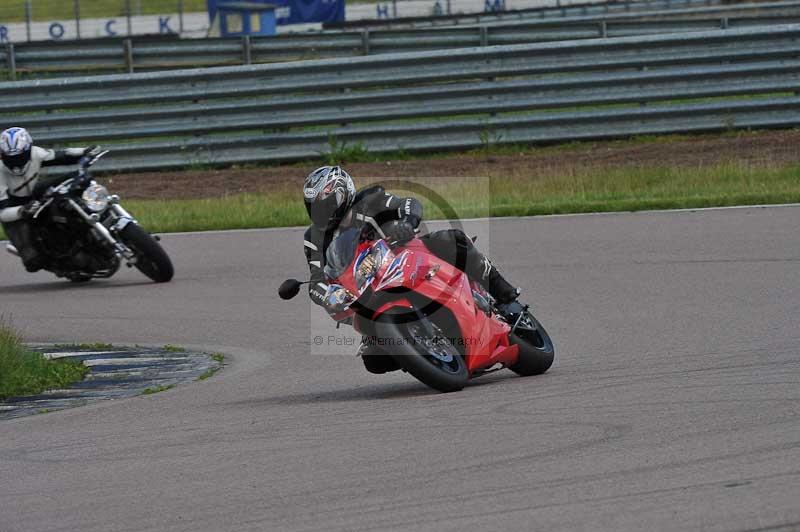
(15, 149)
(328, 192)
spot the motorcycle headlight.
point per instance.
(338, 298)
(369, 263)
(95, 197)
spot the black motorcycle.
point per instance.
(84, 232)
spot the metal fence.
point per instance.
(129, 55)
(467, 98)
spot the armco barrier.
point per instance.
(130, 55)
(703, 81)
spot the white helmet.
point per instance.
(328, 192)
(15, 149)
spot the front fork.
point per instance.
(120, 218)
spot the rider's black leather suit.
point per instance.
(372, 209)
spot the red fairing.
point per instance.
(485, 337)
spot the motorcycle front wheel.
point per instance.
(421, 349)
(151, 259)
(536, 351)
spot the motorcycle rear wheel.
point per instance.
(151, 259)
(433, 361)
(536, 350)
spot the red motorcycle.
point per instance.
(426, 314)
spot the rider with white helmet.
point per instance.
(19, 174)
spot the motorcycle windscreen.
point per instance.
(340, 252)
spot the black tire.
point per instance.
(151, 259)
(536, 351)
(413, 354)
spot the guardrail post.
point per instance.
(723, 23)
(365, 42)
(76, 7)
(247, 50)
(603, 29)
(128, 16)
(28, 18)
(180, 17)
(11, 60)
(127, 50)
(484, 36)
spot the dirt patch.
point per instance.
(769, 148)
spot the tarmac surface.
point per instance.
(673, 404)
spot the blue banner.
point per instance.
(295, 11)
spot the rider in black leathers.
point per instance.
(334, 205)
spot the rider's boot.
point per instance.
(505, 295)
(32, 259)
(375, 360)
(33, 267)
(33, 262)
(500, 289)
(21, 235)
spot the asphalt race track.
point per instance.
(674, 402)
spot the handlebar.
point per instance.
(88, 160)
(46, 188)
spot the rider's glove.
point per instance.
(91, 151)
(29, 209)
(399, 232)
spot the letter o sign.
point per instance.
(56, 31)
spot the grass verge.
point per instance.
(24, 372)
(169, 348)
(157, 389)
(569, 190)
(522, 192)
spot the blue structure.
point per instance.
(246, 18)
(291, 11)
